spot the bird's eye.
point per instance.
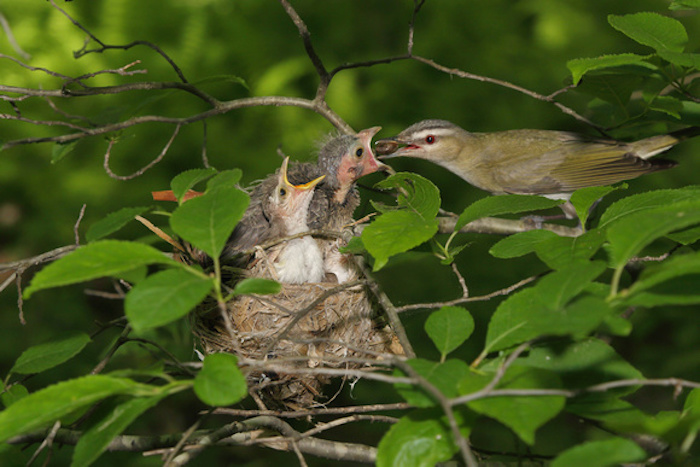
(283, 192)
(430, 139)
(359, 152)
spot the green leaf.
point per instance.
(585, 198)
(208, 220)
(44, 356)
(13, 394)
(506, 204)
(95, 441)
(523, 414)
(545, 309)
(354, 246)
(608, 452)
(49, 404)
(188, 179)
(444, 376)
(421, 439)
(629, 234)
(583, 363)
(449, 327)
(685, 5)
(521, 243)
(559, 252)
(61, 150)
(95, 260)
(254, 285)
(164, 297)
(113, 222)
(228, 178)
(396, 232)
(668, 105)
(645, 201)
(669, 269)
(651, 29)
(220, 382)
(686, 237)
(580, 66)
(416, 193)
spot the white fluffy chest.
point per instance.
(300, 261)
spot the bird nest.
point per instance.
(288, 337)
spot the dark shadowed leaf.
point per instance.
(444, 376)
(44, 356)
(95, 440)
(523, 414)
(49, 404)
(113, 222)
(603, 453)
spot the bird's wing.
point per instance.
(572, 162)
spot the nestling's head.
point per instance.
(289, 202)
(346, 158)
(433, 140)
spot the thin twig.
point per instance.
(77, 225)
(142, 170)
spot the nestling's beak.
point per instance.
(372, 164)
(304, 186)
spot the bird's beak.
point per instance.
(311, 184)
(388, 148)
(373, 164)
(304, 186)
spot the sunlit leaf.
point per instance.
(188, 179)
(254, 285)
(396, 232)
(208, 220)
(220, 381)
(416, 193)
(164, 297)
(652, 29)
(581, 66)
(506, 204)
(449, 327)
(585, 198)
(99, 259)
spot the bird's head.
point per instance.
(433, 140)
(291, 202)
(346, 158)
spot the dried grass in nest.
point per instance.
(270, 329)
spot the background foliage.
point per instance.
(254, 49)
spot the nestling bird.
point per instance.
(541, 162)
(342, 160)
(298, 260)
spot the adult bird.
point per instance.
(541, 162)
(342, 160)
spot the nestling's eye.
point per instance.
(282, 192)
(359, 152)
(430, 139)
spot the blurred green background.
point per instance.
(523, 42)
